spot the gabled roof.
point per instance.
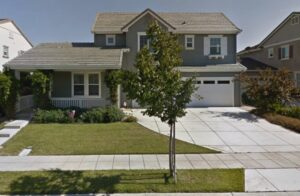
(141, 15)
(260, 45)
(255, 65)
(62, 56)
(4, 20)
(277, 28)
(182, 22)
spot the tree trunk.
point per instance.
(174, 155)
(171, 150)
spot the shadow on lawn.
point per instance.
(71, 182)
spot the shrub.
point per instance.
(113, 114)
(41, 88)
(285, 121)
(269, 88)
(129, 119)
(95, 115)
(100, 115)
(247, 100)
(51, 116)
(293, 112)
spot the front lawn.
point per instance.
(120, 181)
(87, 139)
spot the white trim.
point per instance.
(186, 42)
(138, 40)
(283, 42)
(270, 51)
(110, 36)
(86, 84)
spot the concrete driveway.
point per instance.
(227, 129)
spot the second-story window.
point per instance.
(270, 53)
(110, 40)
(215, 46)
(5, 52)
(143, 40)
(189, 42)
(284, 52)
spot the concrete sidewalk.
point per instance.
(184, 161)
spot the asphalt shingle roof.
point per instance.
(65, 55)
(254, 65)
(183, 22)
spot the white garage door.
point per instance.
(213, 92)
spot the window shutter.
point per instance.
(206, 46)
(224, 46)
(291, 51)
(279, 53)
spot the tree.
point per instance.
(157, 85)
(269, 88)
(9, 93)
(41, 88)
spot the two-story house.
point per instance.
(13, 42)
(209, 53)
(280, 49)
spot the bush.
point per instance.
(100, 115)
(95, 115)
(293, 112)
(129, 119)
(247, 100)
(113, 114)
(51, 116)
(285, 121)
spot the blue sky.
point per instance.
(71, 20)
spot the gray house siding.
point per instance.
(190, 57)
(100, 40)
(196, 56)
(62, 87)
(61, 84)
(286, 32)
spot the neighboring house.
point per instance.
(280, 49)
(13, 42)
(209, 54)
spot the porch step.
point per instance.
(17, 124)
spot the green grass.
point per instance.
(1, 125)
(84, 139)
(120, 181)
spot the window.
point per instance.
(270, 53)
(208, 82)
(86, 84)
(284, 52)
(5, 52)
(93, 84)
(189, 42)
(11, 35)
(20, 52)
(223, 82)
(215, 46)
(295, 20)
(143, 40)
(110, 40)
(78, 81)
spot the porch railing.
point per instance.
(77, 102)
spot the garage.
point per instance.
(213, 91)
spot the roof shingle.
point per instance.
(68, 55)
(112, 22)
